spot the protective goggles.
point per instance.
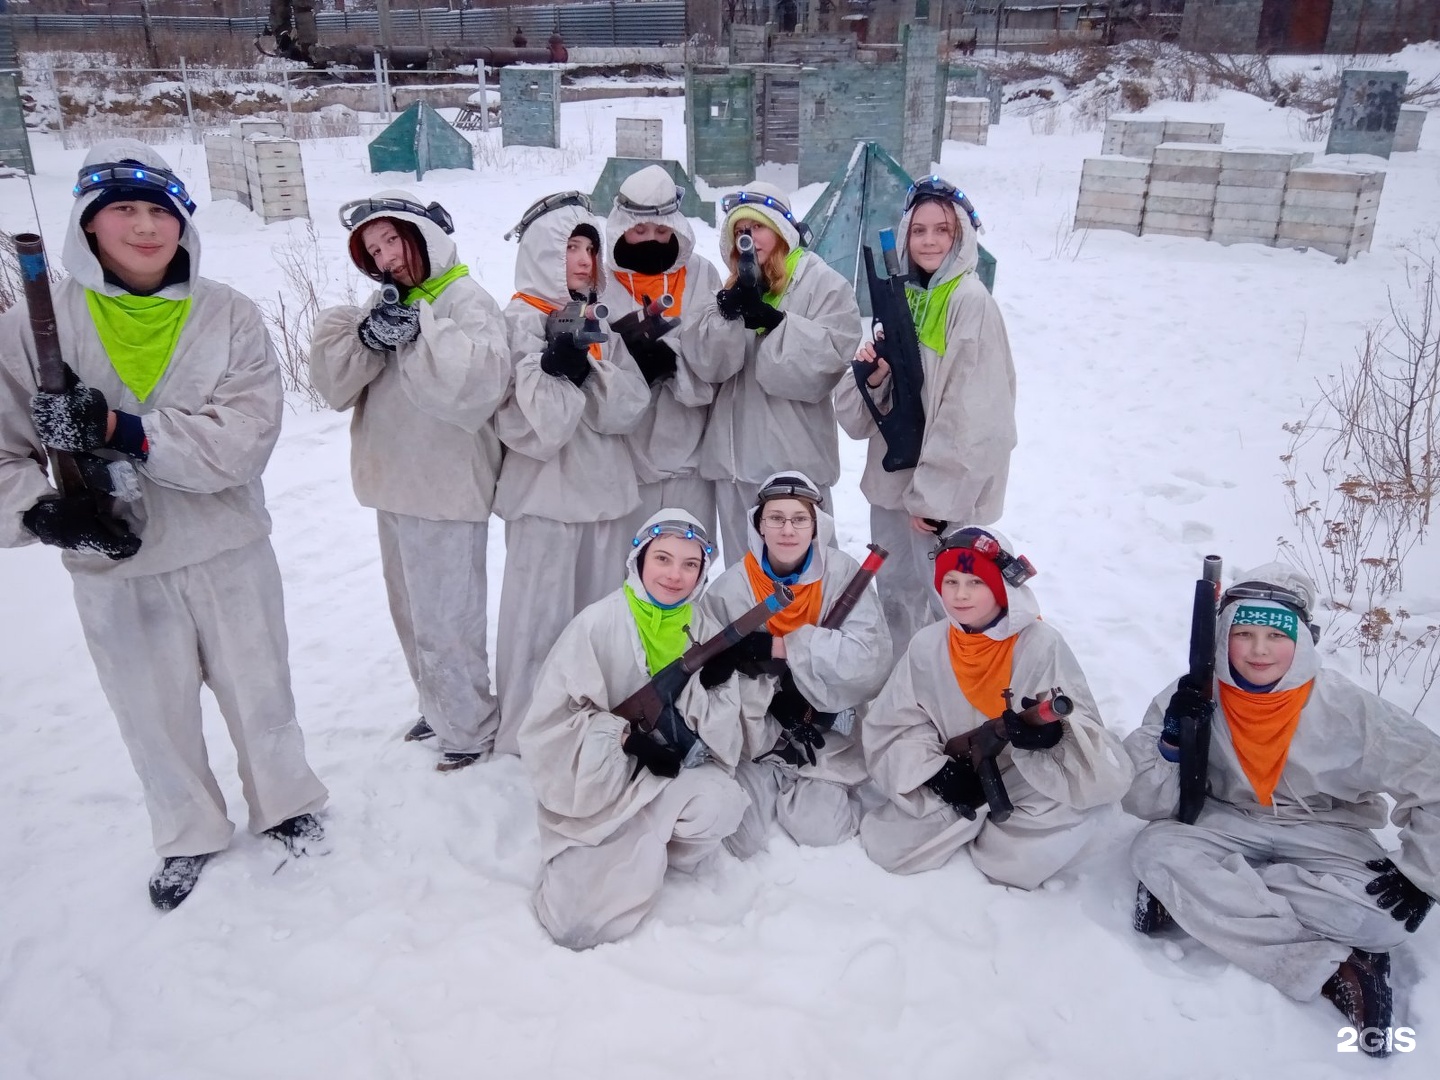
(935, 187)
(789, 487)
(1015, 569)
(651, 209)
(356, 211)
(1260, 590)
(683, 529)
(544, 206)
(737, 199)
(118, 174)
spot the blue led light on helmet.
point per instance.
(937, 187)
(739, 198)
(682, 529)
(113, 175)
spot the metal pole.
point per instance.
(59, 108)
(484, 97)
(289, 108)
(379, 86)
(189, 105)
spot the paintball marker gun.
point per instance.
(981, 745)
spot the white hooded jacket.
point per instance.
(666, 443)
(1350, 749)
(969, 397)
(211, 421)
(422, 437)
(922, 707)
(570, 742)
(568, 460)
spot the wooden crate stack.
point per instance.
(1112, 194)
(1130, 136)
(639, 138)
(1408, 128)
(1250, 193)
(276, 177)
(967, 119)
(225, 162)
(1330, 208)
(1180, 200)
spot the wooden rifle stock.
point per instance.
(644, 706)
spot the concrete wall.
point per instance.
(1221, 25)
(530, 105)
(925, 84)
(1381, 25)
(14, 143)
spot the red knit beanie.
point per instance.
(970, 561)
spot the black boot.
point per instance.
(420, 731)
(457, 760)
(1150, 915)
(301, 835)
(1360, 988)
(171, 883)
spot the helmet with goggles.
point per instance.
(119, 175)
(357, 210)
(937, 187)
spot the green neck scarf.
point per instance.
(662, 630)
(929, 308)
(431, 288)
(139, 334)
(792, 260)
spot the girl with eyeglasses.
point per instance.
(422, 375)
(1023, 791)
(777, 350)
(619, 806)
(969, 404)
(567, 484)
(652, 255)
(802, 764)
(172, 409)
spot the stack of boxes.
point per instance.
(1250, 193)
(1129, 136)
(967, 119)
(1181, 198)
(1330, 208)
(259, 168)
(1112, 194)
(639, 138)
(1408, 127)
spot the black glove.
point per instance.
(1188, 702)
(1025, 736)
(389, 325)
(959, 785)
(729, 303)
(1399, 895)
(655, 359)
(74, 419)
(565, 359)
(660, 760)
(790, 707)
(74, 522)
(759, 315)
(750, 656)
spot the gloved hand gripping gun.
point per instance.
(981, 745)
(579, 319)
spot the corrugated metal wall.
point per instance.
(622, 23)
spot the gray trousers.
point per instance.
(906, 582)
(155, 640)
(1038, 840)
(591, 895)
(813, 812)
(435, 578)
(734, 499)
(1283, 900)
(553, 570)
(686, 492)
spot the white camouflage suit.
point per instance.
(773, 407)
(969, 397)
(1058, 794)
(424, 455)
(201, 603)
(1279, 890)
(666, 445)
(567, 483)
(607, 832)
(836, 670)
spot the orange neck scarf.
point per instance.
(654, 286)
(982, 668)
(1261, 727)
(803, 611)
(547, 308)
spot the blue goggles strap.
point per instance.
(118, 174)
(737, 199)
(357, 210)
(937, 187)
(683, 529)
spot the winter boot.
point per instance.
(1360, 988)
(1150, 915)
(172, 881)
(420, 731)
(301, 835)
(457, 760)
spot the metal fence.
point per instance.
(622, 23)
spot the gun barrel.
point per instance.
(595, 312)
(659, 307)
(1048, 711)
(888, 252)
(745, 244)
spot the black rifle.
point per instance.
(389, 291)
(648, 323)
(747, 266)
(1195, 733)
(980, 746)
(903, 427)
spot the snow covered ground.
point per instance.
(1155, 374)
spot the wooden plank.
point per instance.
(1113, 185)
(1252, 178)
(1170, 189)
(1134, 168)
(1249, 195)
(1188, 154)
(1129, 203)
(1107, 214)
(1318, 178)
(1185, 174)
(1246, 212)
